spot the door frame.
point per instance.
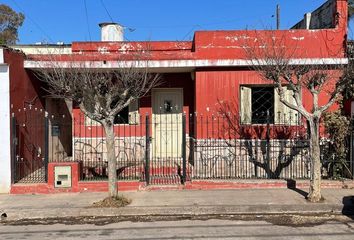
(153, 92)
(153, 100)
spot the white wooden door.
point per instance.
(167, 123)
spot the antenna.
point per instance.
(278, 16)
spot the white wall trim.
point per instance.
(2, 56)
(5, 143)
(179, 63)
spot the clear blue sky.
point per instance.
(65, 20)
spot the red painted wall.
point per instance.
(169, 80)
(26, 105)
(217, 89)
(217, 86)
(24, 87)
(218, 45)
(301, 43)
(324, 43)
(213, 86)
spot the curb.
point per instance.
(266, 209)
(101, 186)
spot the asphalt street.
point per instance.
(185, 229)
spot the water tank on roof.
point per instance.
(111, 32)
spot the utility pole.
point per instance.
(278, 16)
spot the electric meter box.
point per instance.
(62, 176)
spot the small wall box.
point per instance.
(62, 176)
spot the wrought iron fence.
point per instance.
(165, 149)
(89, 148)
(151, 149)
(29, 145)
(242, 158)
(337, 167)
(168, 148)
(37, 139)
(224, 148)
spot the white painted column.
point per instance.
(5, 151)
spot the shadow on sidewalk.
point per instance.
(348, 206)
(291, 184)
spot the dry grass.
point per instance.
(112, 202)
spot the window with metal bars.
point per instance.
(262, 105)
(262, 100)
(122, 117)
(128, 115)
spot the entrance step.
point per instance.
(165, 187)
(33, 176)
(165, 180)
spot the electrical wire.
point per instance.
(109, 15)
(112, 20)
(33, 21)
(199, 24)
(87, 21)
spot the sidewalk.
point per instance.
(182, 202)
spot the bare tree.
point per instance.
(257, 140)
(276, 61)
(100, 93)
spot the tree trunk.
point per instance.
(315, 182)
(111, 158)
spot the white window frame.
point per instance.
(245, 106)
(133, 116)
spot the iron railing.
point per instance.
(168, 148)
(29, 145)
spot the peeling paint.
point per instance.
(180, 63)
(210, 45)
(237, 38)
(124, 48)
(103, 50)
(232, 39)
(318, 30)
(221, 47)
(298, 38)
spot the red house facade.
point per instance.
(177, 132)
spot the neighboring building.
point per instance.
(202, 78)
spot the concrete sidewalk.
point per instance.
(182, 202)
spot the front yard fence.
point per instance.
(169, 149)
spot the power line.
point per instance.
(109, 15)
(87, 21)
(190, 31)
(33, 21)
(112, 20)
(199, 24)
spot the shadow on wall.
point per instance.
(348, 206)
(269, 147)
(60, 129)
